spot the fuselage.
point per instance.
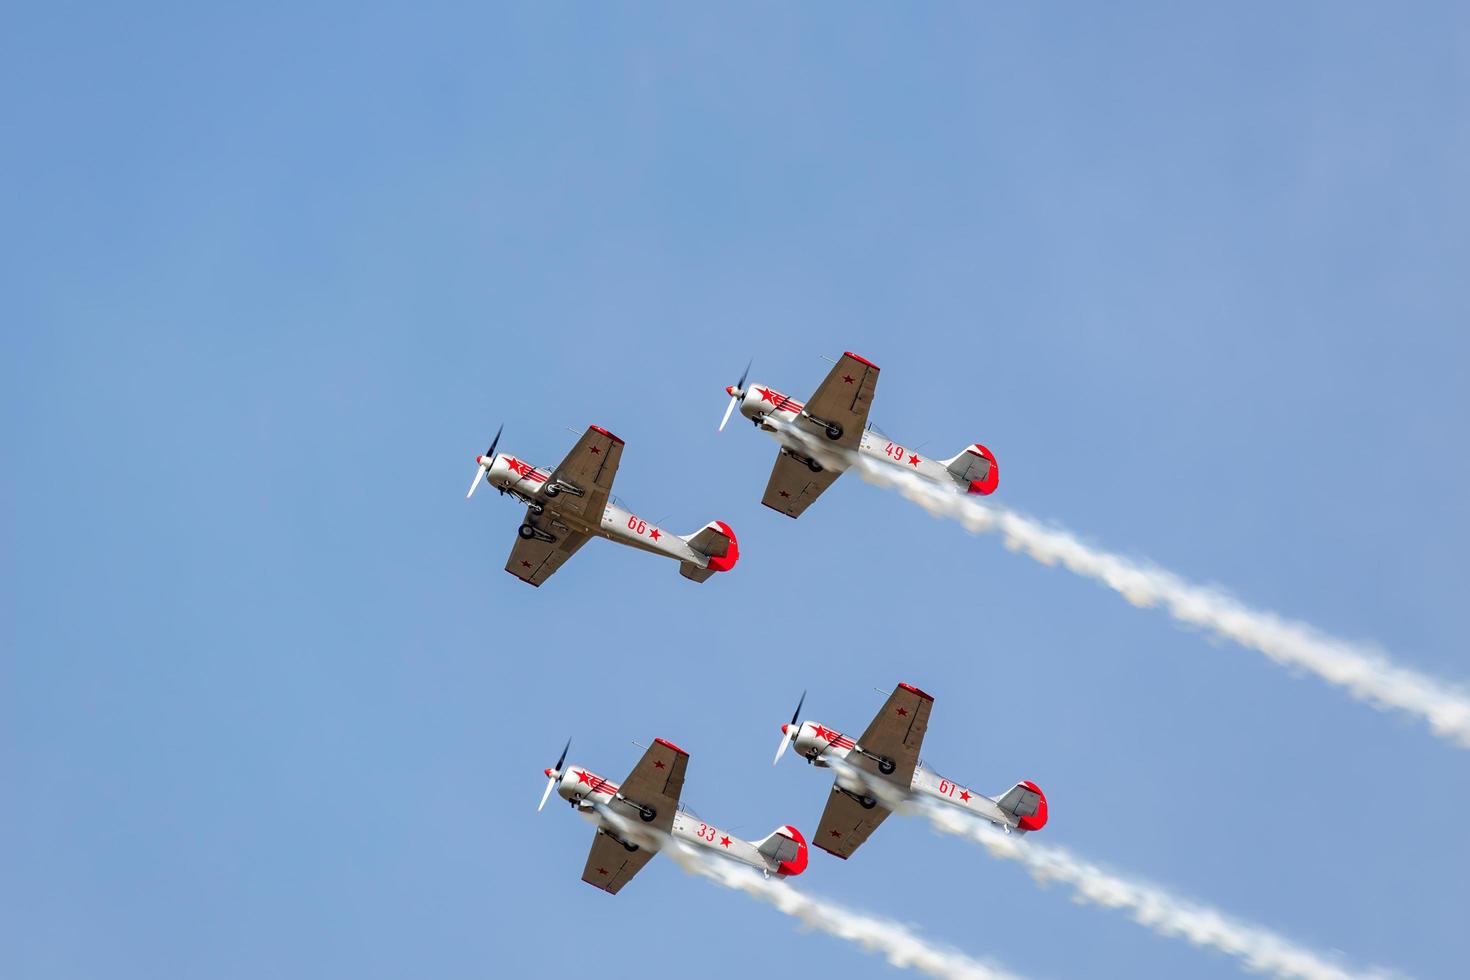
(821, 745)
(589, 793)
(534, 487)
(775, 413)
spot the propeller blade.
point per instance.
(728, 409)
(744, 374)
(556, 769)
(785, 744)
(787, 737)
(495, 442)
(479, 475)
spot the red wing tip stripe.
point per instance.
(600, 429)
(534, 585)
(667, 744)
(860, 359)
(829, 850)
(915, 690)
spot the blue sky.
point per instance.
(270, 707)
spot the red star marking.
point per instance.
(525, 564)
(596, 450)
(903, 711)
(914, 460)
(767, 395)
(785, 494)
(654, 534)
(584, 777)
(602, 871)
(847, 379)
(829, 735)
(835, 833)
(657, 764)
(724, 842)
(965, 795)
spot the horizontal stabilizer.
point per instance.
(1026, 803)
(975, 470)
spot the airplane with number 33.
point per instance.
(838, 413)
(567, 506)
(635, 817)
(884, 764)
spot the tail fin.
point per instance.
(1026, 803)
(975, 469)
(785, 848)
(717, 542)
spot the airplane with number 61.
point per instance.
(573, 503)
(838, 413)
(649, 798)
(884, 764)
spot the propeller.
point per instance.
(788, 732)
(553, 774)
(482, 463)
(736, 393)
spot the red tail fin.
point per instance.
(787, 848)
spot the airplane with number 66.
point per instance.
(573, 503)
(634, 818)
(838, 413)
(884, 765)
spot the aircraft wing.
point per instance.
(590, 467)
(793, 486)
(610, 865)
(534, 561)
(845, 396)
(845, 824)
(655, 782)
(897, 731)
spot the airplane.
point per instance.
(572, 503)
(622, 846)
(883, 767)
(838, 412)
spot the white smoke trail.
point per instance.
(901, 946)
(1259, 949)
(898, 944)
(1367, 674)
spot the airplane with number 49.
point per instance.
(636, 816)
(838, 413)
(573, 503)
(884, 765)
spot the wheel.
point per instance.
(527, 531)
(629, 847)
(867, 802)
(647, 814)
(886, 766)
(814, 466)
(834, 431)
(552, 489)
(537, 509)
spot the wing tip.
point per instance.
(601, 431)
(829, 850)
(534, 585)
(860, 359)
(914, 690)
(667, 744)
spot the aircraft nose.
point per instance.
(549, 773)
(730, 390)
(785, 729)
